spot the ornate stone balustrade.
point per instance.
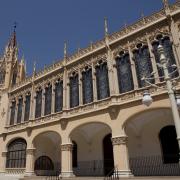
(15, 171)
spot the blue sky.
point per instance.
(44, 25)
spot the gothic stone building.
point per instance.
(83, 116)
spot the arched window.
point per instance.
(14, 78)
(169, 144)
(38, 103)
(167, 45)
(87, 85)
(143, 64)
(102, 80)
(13, 110)
(16, 155)
(58, 96)
(19, 112)
(74, 155)
(2, 76)
(48, 100)
(124, 73)
(27, 107)
(74, 90)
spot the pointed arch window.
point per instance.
(58, 96)
(87, 85)
(124, 73)
(38, 103)
(27, 107)
(48, 100)
(74, 90)
(14, 78)
(13, 110)
(19, 112)
(16, 154)
(102, 80)
(2, 76)
(167, 45)
(143, 64)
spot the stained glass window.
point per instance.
(74, 90)
(19, 112)
(168, 50)
(143, 65)
(48, 100)
(27, 107)
(102, 81)
(38, 104)
(16, 155)
(124, 73)
(13, 110)
(58, 96)
(87, 86)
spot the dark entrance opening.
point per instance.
(44, 166)
(108, 155)
(169, 144)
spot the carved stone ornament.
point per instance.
(119, 140)
(66, 147)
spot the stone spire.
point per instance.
(106, 33)
(166, 7)
(65, 50)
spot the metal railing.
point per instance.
(113, 175)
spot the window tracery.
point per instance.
(58, 96)
(48, 99)
(38, 103)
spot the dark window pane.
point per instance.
(13, 110)
(58, 96)
(74, 91)
(19, 113)
(38, 104)
(48, 99)
(27, 108)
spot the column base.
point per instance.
(123, 173)
(67, 174)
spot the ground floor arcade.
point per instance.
(144, 144)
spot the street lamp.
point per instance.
(174, 101)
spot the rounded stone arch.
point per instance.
(141, 111)
(79, 125)
(13, 139)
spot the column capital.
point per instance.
(119, 140)
(66, 147)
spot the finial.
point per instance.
(143, 17)
(23, 59)
(65, 49)
(34, 68)
(91, 44)
(105, 27)
(166, 7)
(14, 26)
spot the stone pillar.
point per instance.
(23, 108)
(94, 83)
(30, 162)
(53, 98)
(43, 102)
(66, 160)
(121, 158)
(33, 105)
(133, 68)
(68, 94)
(153, 60)
(65, 94)
(116, 88)
(3, 162)
(16, 111)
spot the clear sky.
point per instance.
(44, 25)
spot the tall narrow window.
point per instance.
(2, 76)
(48, 100)
(74, 90)
(38, 104)
(102, 80)
(87, 85)
(14, 78)
(124, 73)
(168, 50)
(19, 113)
(16, 154)
(58, 96)
(13, 110)
(143, 64)
(27, 107)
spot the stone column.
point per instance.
(153, 60)
(121, 158)
(43, 102)
(33, 105)
(66, 160)
(116, 88)
(30, 162)
(68, 94)
(133, 68)
(65, 94)
(53, 98)
(16, 111)
(23, 108)
(94, 83)
(3, 162)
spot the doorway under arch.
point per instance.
(169, 144)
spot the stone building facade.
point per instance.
(83, 115)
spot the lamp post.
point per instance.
(174, 101)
